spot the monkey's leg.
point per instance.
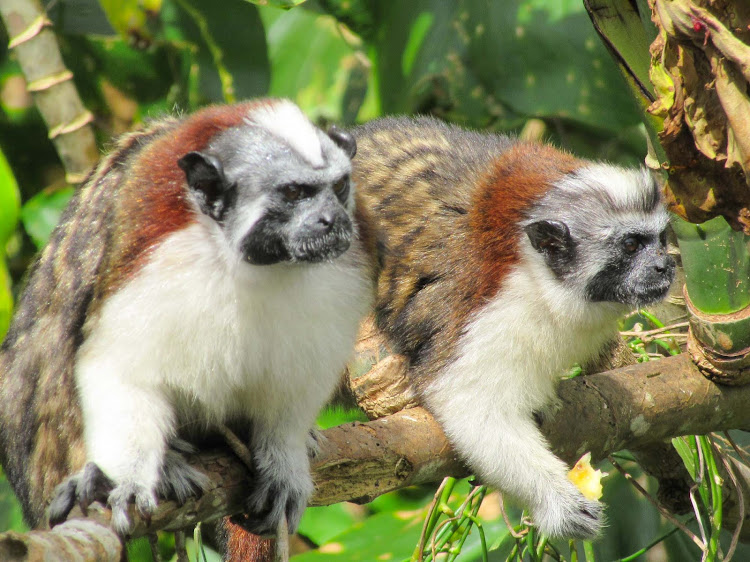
(284, 484)
(507, 450)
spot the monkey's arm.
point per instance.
(507, 451)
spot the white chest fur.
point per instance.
(230, 338)
(521, 342)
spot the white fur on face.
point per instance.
(220, 338)
(286, 121)
(242, 223)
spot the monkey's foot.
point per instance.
(120, 499)
(272, 500)
(569, 515)
(177, 479)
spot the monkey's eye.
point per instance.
(663, 237)
(341, 188)
(631, 244)
(292, 192)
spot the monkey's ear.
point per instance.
(205, 177)
(549, 237)
(345, 141)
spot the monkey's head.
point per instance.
(602, 231)
(278, 187)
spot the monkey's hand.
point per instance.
(273, 499)
(566, 513)
(178, 481)
(84, 488)
(282, 489)
(91, 485)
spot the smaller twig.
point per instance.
(697, 512)
(511, 528)
(153, 543)
(744, 456)
(180, 547)
(665, 513)
(237, 446)
(429, 519)
(654, 331)
(433, 543)
(740, 500)
(701, 474)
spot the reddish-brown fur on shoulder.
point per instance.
(154, 199)
(516, 180)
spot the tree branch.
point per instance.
(632, 407)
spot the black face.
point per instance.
(303, 223)
(639, 271)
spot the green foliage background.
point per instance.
(484, 64)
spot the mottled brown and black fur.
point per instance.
(40, 419)
(446, 203)
(503, 263)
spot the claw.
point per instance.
(93, 485)
(64, 498)
(85, 487)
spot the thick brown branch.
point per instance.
(632, 407)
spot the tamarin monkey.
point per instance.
(212, 269)
(503, 263)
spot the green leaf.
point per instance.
(321, 524)
(230, 43)
(548, 68)
(357, 15)
(496, 63)
(314, 65)
(333, 416)
(10, 202)
(685, 450)
(79, 17)
(384, 536)
(419, 30)
(145, 75)
(11, 517)
(130, 18)
(717, 268)
(42, 212)
(405, 499)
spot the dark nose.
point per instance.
(665, 264)
(326, 221)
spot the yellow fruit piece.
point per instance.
(586, 479)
